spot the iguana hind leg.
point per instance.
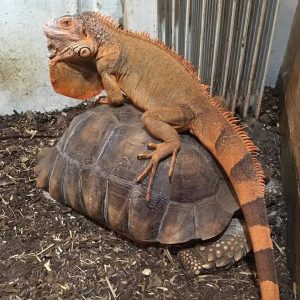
(220, 253)
(163, 124)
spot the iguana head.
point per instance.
(68, 39)
(72, 51)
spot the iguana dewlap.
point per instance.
(165, 86)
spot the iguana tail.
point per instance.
(228, 142)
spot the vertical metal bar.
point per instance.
(205, 42)
(229, 48)
(168, 22)
(241, 58)
(209, 40)
(216, 47)
(164, 30)
(255, 58)
(258, 104)
(160, 20)
(173, 24)
(79, 7)
(180, 26)
(202, 38)
(186, 30)
(194, 32)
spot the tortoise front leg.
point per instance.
(162, 124)
(220, 253)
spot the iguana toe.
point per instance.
(161, 151)
(150, 169)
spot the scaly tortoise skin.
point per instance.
(93, 167)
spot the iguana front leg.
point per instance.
(163, 124)
(105, 62)
(115, 95)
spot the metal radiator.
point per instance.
(228, 41)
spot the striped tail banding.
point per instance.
(231, 146)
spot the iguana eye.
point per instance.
(85, 52)
(66, 23)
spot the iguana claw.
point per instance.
(103, 100)
(161, 152)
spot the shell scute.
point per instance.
(71, 187)
(93, 193)
(144, 223)
(118, 194)
(88, 136)
(56, 178)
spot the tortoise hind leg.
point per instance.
(221, 253)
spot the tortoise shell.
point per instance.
(93, 168)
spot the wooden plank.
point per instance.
(289, 85)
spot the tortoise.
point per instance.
(92, 169)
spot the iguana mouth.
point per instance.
(56, 40)
(56, 55)
(55, 49)
(51, 51)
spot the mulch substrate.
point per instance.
(47, 251)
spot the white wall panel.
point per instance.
(24, 79)
(284, 22)
(141, 16)
(111, 8)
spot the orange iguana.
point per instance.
(165, 86)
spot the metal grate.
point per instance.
(228, 41)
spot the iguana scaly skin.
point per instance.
(166, 87)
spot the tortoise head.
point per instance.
(72, 52)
